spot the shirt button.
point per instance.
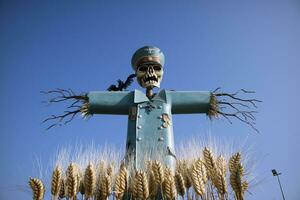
(139, 127)
(159, 107)
(139, 116)
(160, 139)
(160, 127)
(138, 139)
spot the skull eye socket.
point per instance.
(157, 67)
(142, 68)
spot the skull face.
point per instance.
(149, 75)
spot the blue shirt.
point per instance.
(150, 127)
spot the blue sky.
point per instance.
(88, 45)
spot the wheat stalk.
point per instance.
(71, 181)
(56, 182)
(89, 181)
(169, 187)
(121, 182)
(37, 187)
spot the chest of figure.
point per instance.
(150, 124)
(152, 119)
(151, 130)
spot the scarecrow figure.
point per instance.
(150, 128)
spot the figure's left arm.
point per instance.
(215, 104)
(188, 102)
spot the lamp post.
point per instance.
(274, 172)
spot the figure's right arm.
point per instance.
(109, 102)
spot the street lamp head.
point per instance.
(274, 172)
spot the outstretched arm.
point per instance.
(87, 104)
(216, 104)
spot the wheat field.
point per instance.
(202, 175)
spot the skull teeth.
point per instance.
(150, 82)
(150, 79)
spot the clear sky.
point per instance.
(87, 45)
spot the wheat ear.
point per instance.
(158, 171)
(219, 179)
(236, 174)
(62, 191)
(71, 181)
(121, 182)
(183, 168)
(105, 187)
(56, 182)
(37, 187)
(142, 186)
(209, 162)
(151, 180)
(197, 180)
(153, 187)
(169, 187)
(110, 170)
(89, 181)
(180, 186)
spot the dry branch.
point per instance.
(233, 105)
(77, 104)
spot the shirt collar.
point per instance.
(140, 97)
